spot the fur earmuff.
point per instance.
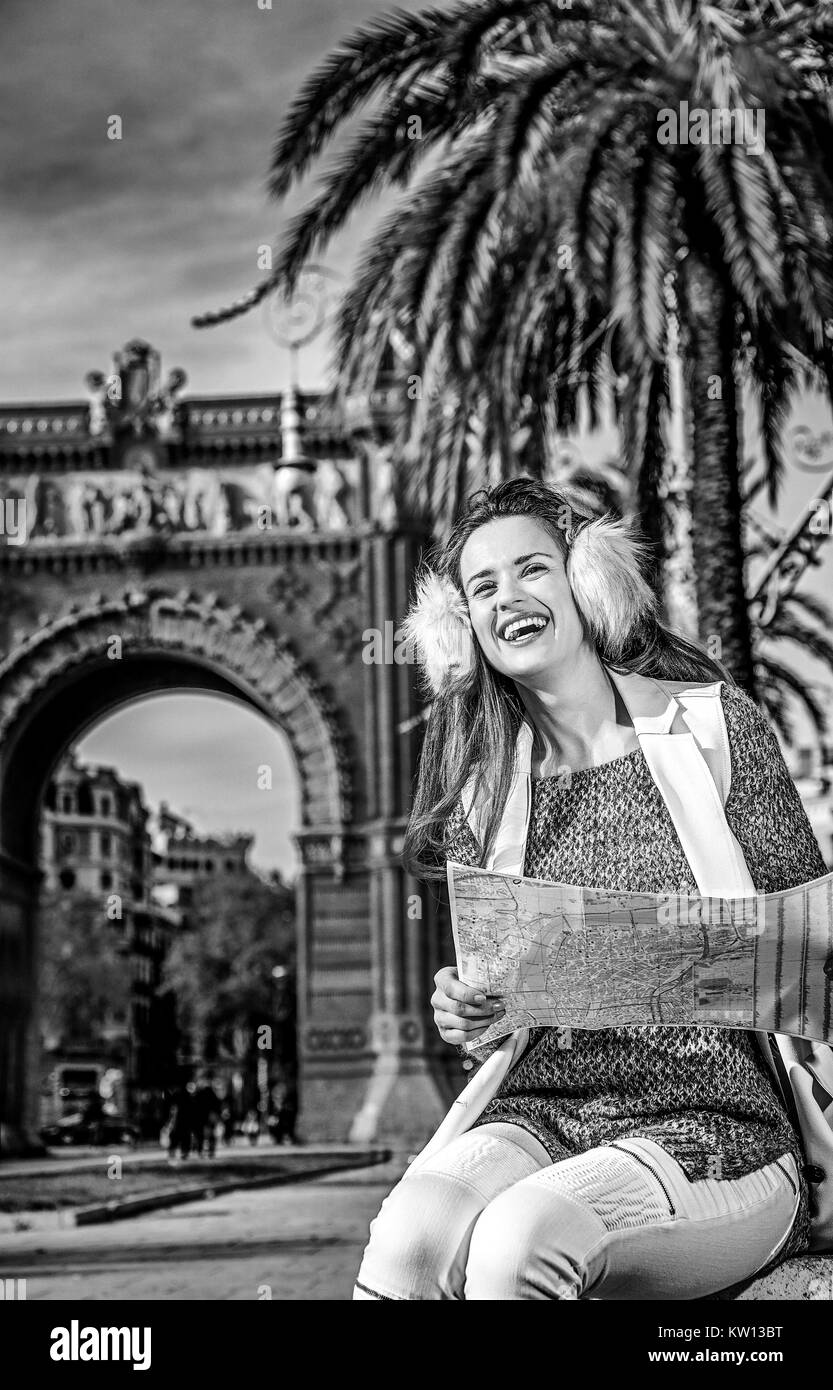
(604, 569)
(605, 572)
(438, 624)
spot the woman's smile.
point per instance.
(519, 630)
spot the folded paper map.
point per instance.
(561, 956)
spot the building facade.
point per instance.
(97, 863)
(185, 861)
(183, 858)
(250, 546)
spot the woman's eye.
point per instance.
(482, 588)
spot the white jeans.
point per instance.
(490, 1217)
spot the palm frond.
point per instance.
(395, 47)
(776, 705)
(788, 627)
(785, 680)
(812, 606)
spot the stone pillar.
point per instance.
(19, 1033)
(372, 1067)
(334, 985)
(405, 1097)
(407, 1094)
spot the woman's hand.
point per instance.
(461, 1012)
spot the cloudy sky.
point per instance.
(203, 755)
(104, 240)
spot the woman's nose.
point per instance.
(507, 592)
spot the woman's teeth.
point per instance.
(524, 630)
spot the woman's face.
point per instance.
(520, 603)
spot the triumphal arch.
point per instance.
(153, 541)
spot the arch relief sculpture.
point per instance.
(201, 628)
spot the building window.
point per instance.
(106, 879)
(67, 878)
(67, 803)
(105, 806)
(106, 843)
(67, 843)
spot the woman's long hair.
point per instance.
(475, 717)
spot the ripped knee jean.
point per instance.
(491, 1217)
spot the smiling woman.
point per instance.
(527, 623)
(626, 1162)
(525, 549)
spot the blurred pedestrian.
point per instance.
(181, 1123)
(285, 1101)
(227, 1120)
(206, 1113)
(92, 1115)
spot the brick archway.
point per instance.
(187, 527)
(230, 650)
(62, 678)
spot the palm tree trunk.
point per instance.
(652, 430)
(674, 492)
(644, 440)
(716, 514)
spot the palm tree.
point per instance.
(550, 218)
(781, 614)
(804, 621)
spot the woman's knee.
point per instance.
(417, 1241)
(530, 1243)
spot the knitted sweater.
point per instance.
(704, 1094)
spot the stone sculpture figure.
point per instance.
(53, 520)
(31, 492)
(121, 506)
(287, 499)
(167, 411)
(172, 502)
(330, 490)
(97, 385)
(221, 520)
(192, 513)
(74, 509)
(384, 501)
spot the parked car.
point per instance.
(75, 1129)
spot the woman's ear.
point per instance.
(438, 624)
(604, 569)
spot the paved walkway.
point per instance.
(301, 1242)
(79, 1160)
